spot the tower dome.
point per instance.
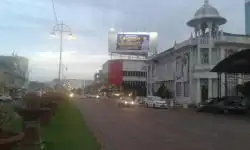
(206, 13)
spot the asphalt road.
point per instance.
(155, 129)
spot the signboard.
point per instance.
(132, 42)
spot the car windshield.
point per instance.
(158, 99)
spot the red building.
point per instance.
(126, 74)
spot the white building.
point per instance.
(185, 68)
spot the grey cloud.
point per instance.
(84, 32)
(35, 19)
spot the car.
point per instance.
(126, 102)
(83, 96)
(230, 104)
(4, 98)
(213, 105)
(17, 97)
(156, 102)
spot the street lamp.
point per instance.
(61, 28)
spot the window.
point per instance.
(178, 89)
(186, 89)
(204, 56)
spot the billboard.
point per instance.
(132, 42)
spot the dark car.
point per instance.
(231, 104)
(210, 105)
(126, 102)
(236, 105)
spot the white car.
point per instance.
(4, 98)
(155, 102)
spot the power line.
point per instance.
(54, 11)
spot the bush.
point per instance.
(7, 115)
(53, 97)
(32, 100)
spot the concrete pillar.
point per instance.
(222, 56)
(151, 78)
(210, 43)
(198, 45)
(190, 73)
(210, 88)
(198, 98)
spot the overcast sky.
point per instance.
(26, 24)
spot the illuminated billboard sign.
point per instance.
(132, 42)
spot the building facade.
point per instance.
(126, 73)
(247, 17)
(14, 71)
(185, 68)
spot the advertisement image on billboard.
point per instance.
(132, 42)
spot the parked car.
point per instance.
(126, 102)
(155, 102)
(83, 96)
(4, 98)
(17, 97)
(211, 105)
(231, 104)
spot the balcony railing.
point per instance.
(205, 40)
(235, 39)
(200, 67)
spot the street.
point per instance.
(157, 129)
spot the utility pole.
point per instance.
(61, 28)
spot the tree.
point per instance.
(244, 89)
(163, 92)
(160, 91)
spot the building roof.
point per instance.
(233, 34)
(236, 63)
(204, 13)
(163, 53)
(206, 10)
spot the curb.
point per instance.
(102, 147)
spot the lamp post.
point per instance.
(61, 28)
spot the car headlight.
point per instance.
(125, 102)
(117, 94)
(71, 95)
(97, 96)
(132, 102)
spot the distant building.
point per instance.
(126, 73)
(87, 83)
(247, 17)
(72, 83)
(13, 71)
